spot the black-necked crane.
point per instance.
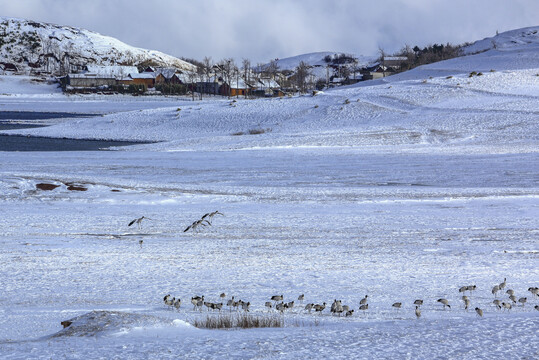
(466, 304)
(364, 308)
(290, 305)
(309, 307)
(479, 311)
(522, 300)
(502, 285)
(177, 303)
(336, 307)
(349, 313)
(417, 312)
(510, 292)
(138, 221)
(397, 305)
(230, 303)
(195, 225)
(534, 291)
(364, 300)
(196, 300)
(268, 305)
(536, 307)
(169, 301)
(444, 302)
(277, 298)
(495, 290)
(497, 303)
(300, 298)
(418, 302)
(319, 308)
(212, 214)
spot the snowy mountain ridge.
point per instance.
(524, 38)
(30, 46)
(317, 59)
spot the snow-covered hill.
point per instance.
(487, 102)
(325, 64)
(30, 45)
(525, 38)
(318, 59)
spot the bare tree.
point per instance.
(192, 76)
(381, 59)
(200, 71)
(302, 73)
(207, 66)
(228, 67)
(272, 69)
(246, 67)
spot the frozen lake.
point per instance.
(40, 144)
(329, 223)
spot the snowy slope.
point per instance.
(524, 39)
(317, 59)
(41, 46)
(437, 106)
(317, 63)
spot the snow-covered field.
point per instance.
(401, 189)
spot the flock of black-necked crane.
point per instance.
(278, 303)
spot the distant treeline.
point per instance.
(430, 54)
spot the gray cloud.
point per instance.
(264, 29)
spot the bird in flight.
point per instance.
(138, 221)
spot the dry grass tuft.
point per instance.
(241, 321)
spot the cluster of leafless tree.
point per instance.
(230, 73)
(417, 56)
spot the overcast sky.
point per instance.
(265, 29)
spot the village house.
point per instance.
(267, 86)
(145, 78)
(97, 76)
(394, 62)
(238, 87)
(212, 86)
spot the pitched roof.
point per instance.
(145, 75)
(166, 72)
(238, 84)
(111, 71)
(268, 83)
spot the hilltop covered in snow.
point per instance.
(518, 39)
(319, 59)
(27, 45)
(482, 102)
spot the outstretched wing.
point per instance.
(132, 222)
(186, 230)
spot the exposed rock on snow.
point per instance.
(97, 322)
